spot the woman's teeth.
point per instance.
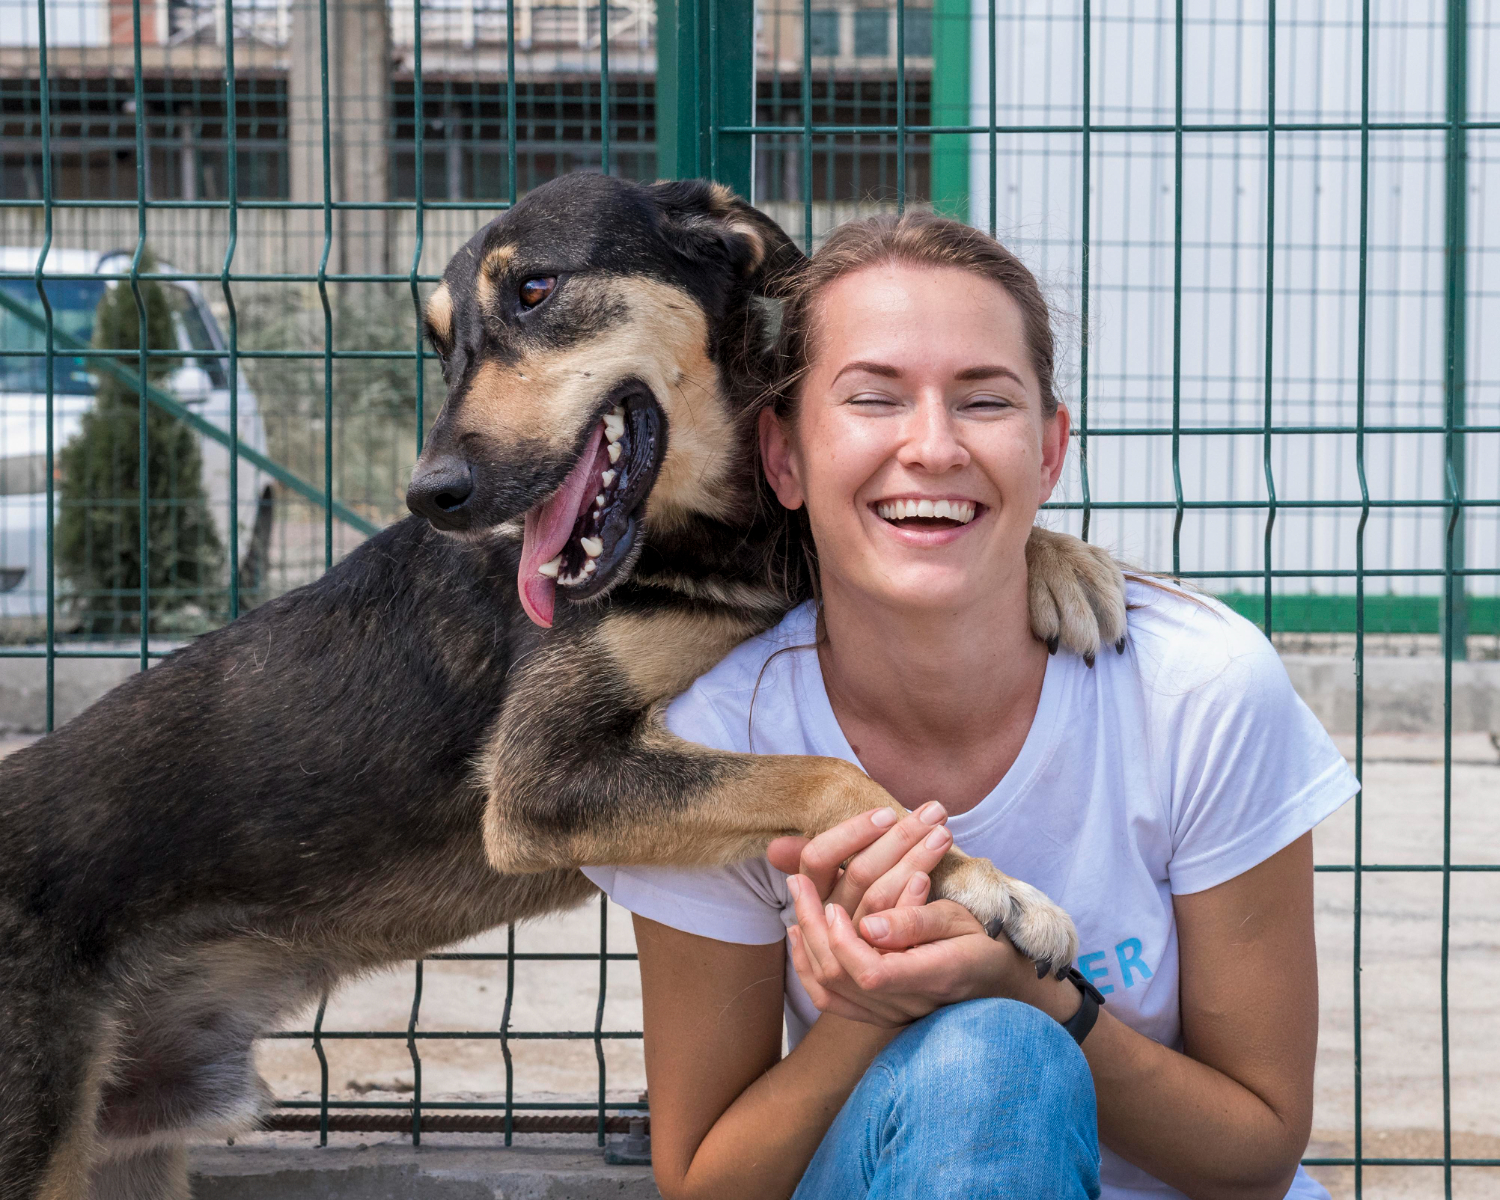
(961, 511)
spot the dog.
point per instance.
(429, 740)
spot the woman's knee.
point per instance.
(994, 1053)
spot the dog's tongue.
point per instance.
(547, 528)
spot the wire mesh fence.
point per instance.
(1269, 231)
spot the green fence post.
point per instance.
(699, 91)
(1455, 349)
(950, 106)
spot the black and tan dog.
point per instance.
(429, 740)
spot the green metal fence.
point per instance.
(1270, 231)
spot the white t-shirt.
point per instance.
(1168, 769)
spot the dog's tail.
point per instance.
(52, 1051)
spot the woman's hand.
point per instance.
(871, 862)
(906, 957)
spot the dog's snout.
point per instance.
(440, 492)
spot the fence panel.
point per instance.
(1269, 230)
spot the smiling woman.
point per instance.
(1163, 795)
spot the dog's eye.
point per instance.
(534, 291)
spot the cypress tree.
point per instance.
(98, 527)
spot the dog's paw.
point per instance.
(1036, 927)
(1076, 592)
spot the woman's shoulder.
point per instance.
(753, 682)
(1185, 641)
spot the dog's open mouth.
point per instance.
(927, 514)
(578, 537)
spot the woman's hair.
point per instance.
(911, 239)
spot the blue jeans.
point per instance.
(987, 1098)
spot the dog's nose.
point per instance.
(440, 491)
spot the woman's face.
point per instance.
(919, 447)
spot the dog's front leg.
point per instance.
(580, 772)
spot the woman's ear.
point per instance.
(1055, 430)
(778, 458)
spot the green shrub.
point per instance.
(98, 528)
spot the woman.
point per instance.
(1164, 796)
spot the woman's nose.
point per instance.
(932, 442)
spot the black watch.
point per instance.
(1079, 1024)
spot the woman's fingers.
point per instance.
(888, 863)
(785, 853)
(819, 967)
(907, 926)
(931, 843)
(823, 857)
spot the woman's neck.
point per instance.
(933, 702)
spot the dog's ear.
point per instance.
(709, 220)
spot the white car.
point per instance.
(201, 384)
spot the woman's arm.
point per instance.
(1231, 1116)
(1226, 1120)
(729, 1117)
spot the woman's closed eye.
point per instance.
(987, 402)
(873, 401)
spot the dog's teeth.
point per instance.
(599, 500)
(589, 568)
(614, 427)
(614, 452)
(618, 411)
(593, 547)
(551, 567)
(607, 478)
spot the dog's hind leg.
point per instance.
(53, 1056)
(156, 1173)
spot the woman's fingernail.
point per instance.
(882, 818)
(932, 812)
(828, 912)
(919, 883)
(877, 927)
(937, 839)
(794, 886)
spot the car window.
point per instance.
(193, 332)
(73, 304)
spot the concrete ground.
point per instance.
(1401, 944)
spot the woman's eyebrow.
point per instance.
(870, 368)
(971, 374)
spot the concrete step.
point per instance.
(275, 1168)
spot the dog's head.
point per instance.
(585, 336)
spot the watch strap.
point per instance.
(1079, 1024)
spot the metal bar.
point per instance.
(50, 368)
(1267, 417)
(143, 339)
(1455, 291)
(1085, 245)
(1360, 397)
(599, 1007)
(1177, 296)
(419, 124)
(807, 127)
(416, 1058)
(233, 183)
(322, 281)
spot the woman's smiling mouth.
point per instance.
(926, 513)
